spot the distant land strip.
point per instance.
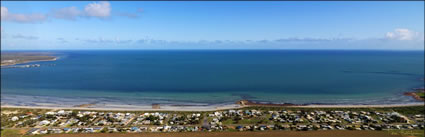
(8, 59)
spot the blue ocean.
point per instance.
(208, 77)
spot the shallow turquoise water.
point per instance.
(220, 76)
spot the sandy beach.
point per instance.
(202, 108)
(134, 108)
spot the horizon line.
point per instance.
(211, 49)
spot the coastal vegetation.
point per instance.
(418, 94)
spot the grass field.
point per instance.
(408, 133)
(15, 133)
(421, 94)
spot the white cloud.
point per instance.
(100, 10)
(4, 12)
(21, 18)
(62, 40)
(403, 34)
(102, 40)
(19, 36)
(69, 13)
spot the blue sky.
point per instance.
(212, 25)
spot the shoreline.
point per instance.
(207, 108)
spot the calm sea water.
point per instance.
(217, 76)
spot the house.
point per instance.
(43, 132)
(97, 129)
(66, 130)
(15, 118)
(50, 113)
(44, 122)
